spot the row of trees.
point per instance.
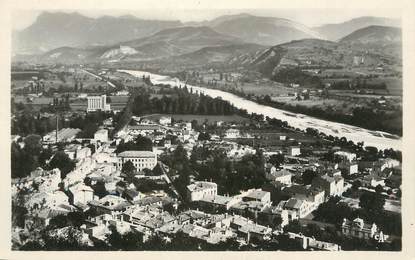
(297, 76)
(182, 101)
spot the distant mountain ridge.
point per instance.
(337, 31)
(262, 30)
(374, 34)
(82, 39)
(163, 44)
(54, 30)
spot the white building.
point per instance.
(349, 168)
(141, 159)
(96, 103)
(332, 186)
(345, 156)
(282, 176)
(294, 151)
(165, 120)
(232, 133)
(359, 229)
(297, 208)
(202, 190)
(101, 135)
(81, 193)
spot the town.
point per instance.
(103, 160)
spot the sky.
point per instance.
(309, 17)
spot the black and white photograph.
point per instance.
(207, 128)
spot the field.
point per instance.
(66, 79)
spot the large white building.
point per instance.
(96, 103)
(141, 159)
(202, 190)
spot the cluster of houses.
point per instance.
(213, 217)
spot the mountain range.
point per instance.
(232, 39)
(54, 30)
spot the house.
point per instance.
(333, 186)
(101, 136)
(294, 150)
(63, 135)
(359, 229)
(311, 194)
(109, 204)
(141, 159)
(201, 190)
(257, 195)
(297, 208)
(248, 229)
(283, 176)
(81, 193)
(345, 156)
(218, 203)
(269, 215)
(349, 168)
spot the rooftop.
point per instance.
(257, 194)
(294, 203)
(141, 154)
(201, 185)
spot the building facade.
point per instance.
(140, 159)
(202, 190)
(96, 103)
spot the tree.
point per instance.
(276, 159)
(128, 241)
(308, 176)
(333, 211)
(372, 202)
(99, 189)
(129, 170)
(204, 136)
(63, 163)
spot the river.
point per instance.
(378, 139)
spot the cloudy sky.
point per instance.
(310, 17)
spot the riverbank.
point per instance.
(381, 140)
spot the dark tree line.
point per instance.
(182, 101)
(295, 75)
